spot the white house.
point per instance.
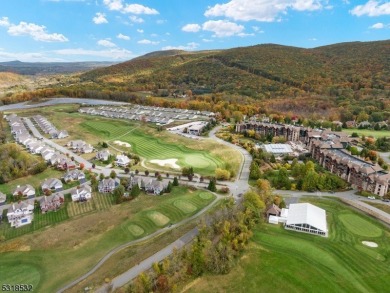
(122, 160)
(20, 214)
(108, 185)
(82, 194)
(103, 155)
(62, 134)
(73, 175)
(53, 184)
(26, 191)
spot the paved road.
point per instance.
(56, 146)
(349, 195)
(147, 263)
(240, 185)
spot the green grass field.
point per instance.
(40, 221)
(152, 147)
(56, 255)
(369, 132)
(279, 260)
(34, 180)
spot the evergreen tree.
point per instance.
(175, 181)
(135, 191)
(212, 185)
(254, 171)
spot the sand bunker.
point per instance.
(370, 244)
(121, 143)
(167, 163)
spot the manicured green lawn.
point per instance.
(151, 147)
(383, 207)
(369, 132)
(34, 180)
(80, 251)
(279, 260)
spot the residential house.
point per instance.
(47, 153)
(155, 186)
(103, 155)
(26, 191)
(51, 202)
(62, 134)
(20, 214)
(108, 185)
(273, 210)
(86, 149)
(52, 184)
(122, 160)
(74, 175)
(3, 198)
(82, 193)
(66, 164)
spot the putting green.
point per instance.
(135, 230)
(370, 252)
(158, 218)
(16, 273)
(205, 195)
(185, 206)
(359, 226)
(150, 147)
(198, 161)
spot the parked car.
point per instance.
(386, 200)
(371, 197)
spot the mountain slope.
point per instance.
(258, 71)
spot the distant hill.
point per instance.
(27, 68)
(260, 71)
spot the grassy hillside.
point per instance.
(258, 71)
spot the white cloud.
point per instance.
(140, 31)
(108, 54)
(28, 57)
(37, 32)
(191, 27)
(113, 4)
(380, 25)
(257, 29)
(188, 47)
(161, 21)
(261, 10)
(136, 19)
(148, 42)
(99, 18)
(207, 40)
(106, 43)
(139, 9)
(222, 28)
(118, 5)
(123, 37)
(372, 8)
(4, 21)
(313, 39)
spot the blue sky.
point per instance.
(118, 30)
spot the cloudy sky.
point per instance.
(117, 30)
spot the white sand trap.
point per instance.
(168, 163)
(370, 244)
(118, 142)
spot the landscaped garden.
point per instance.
(62, 252)
(279, 260)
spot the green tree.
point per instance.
(253, 202)
(113, 174)
(135, 191)
(254, 171)
(175, 181)
(212, 185)
(310, 181)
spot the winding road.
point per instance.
(240, 185)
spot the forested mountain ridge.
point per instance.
(260, 71)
